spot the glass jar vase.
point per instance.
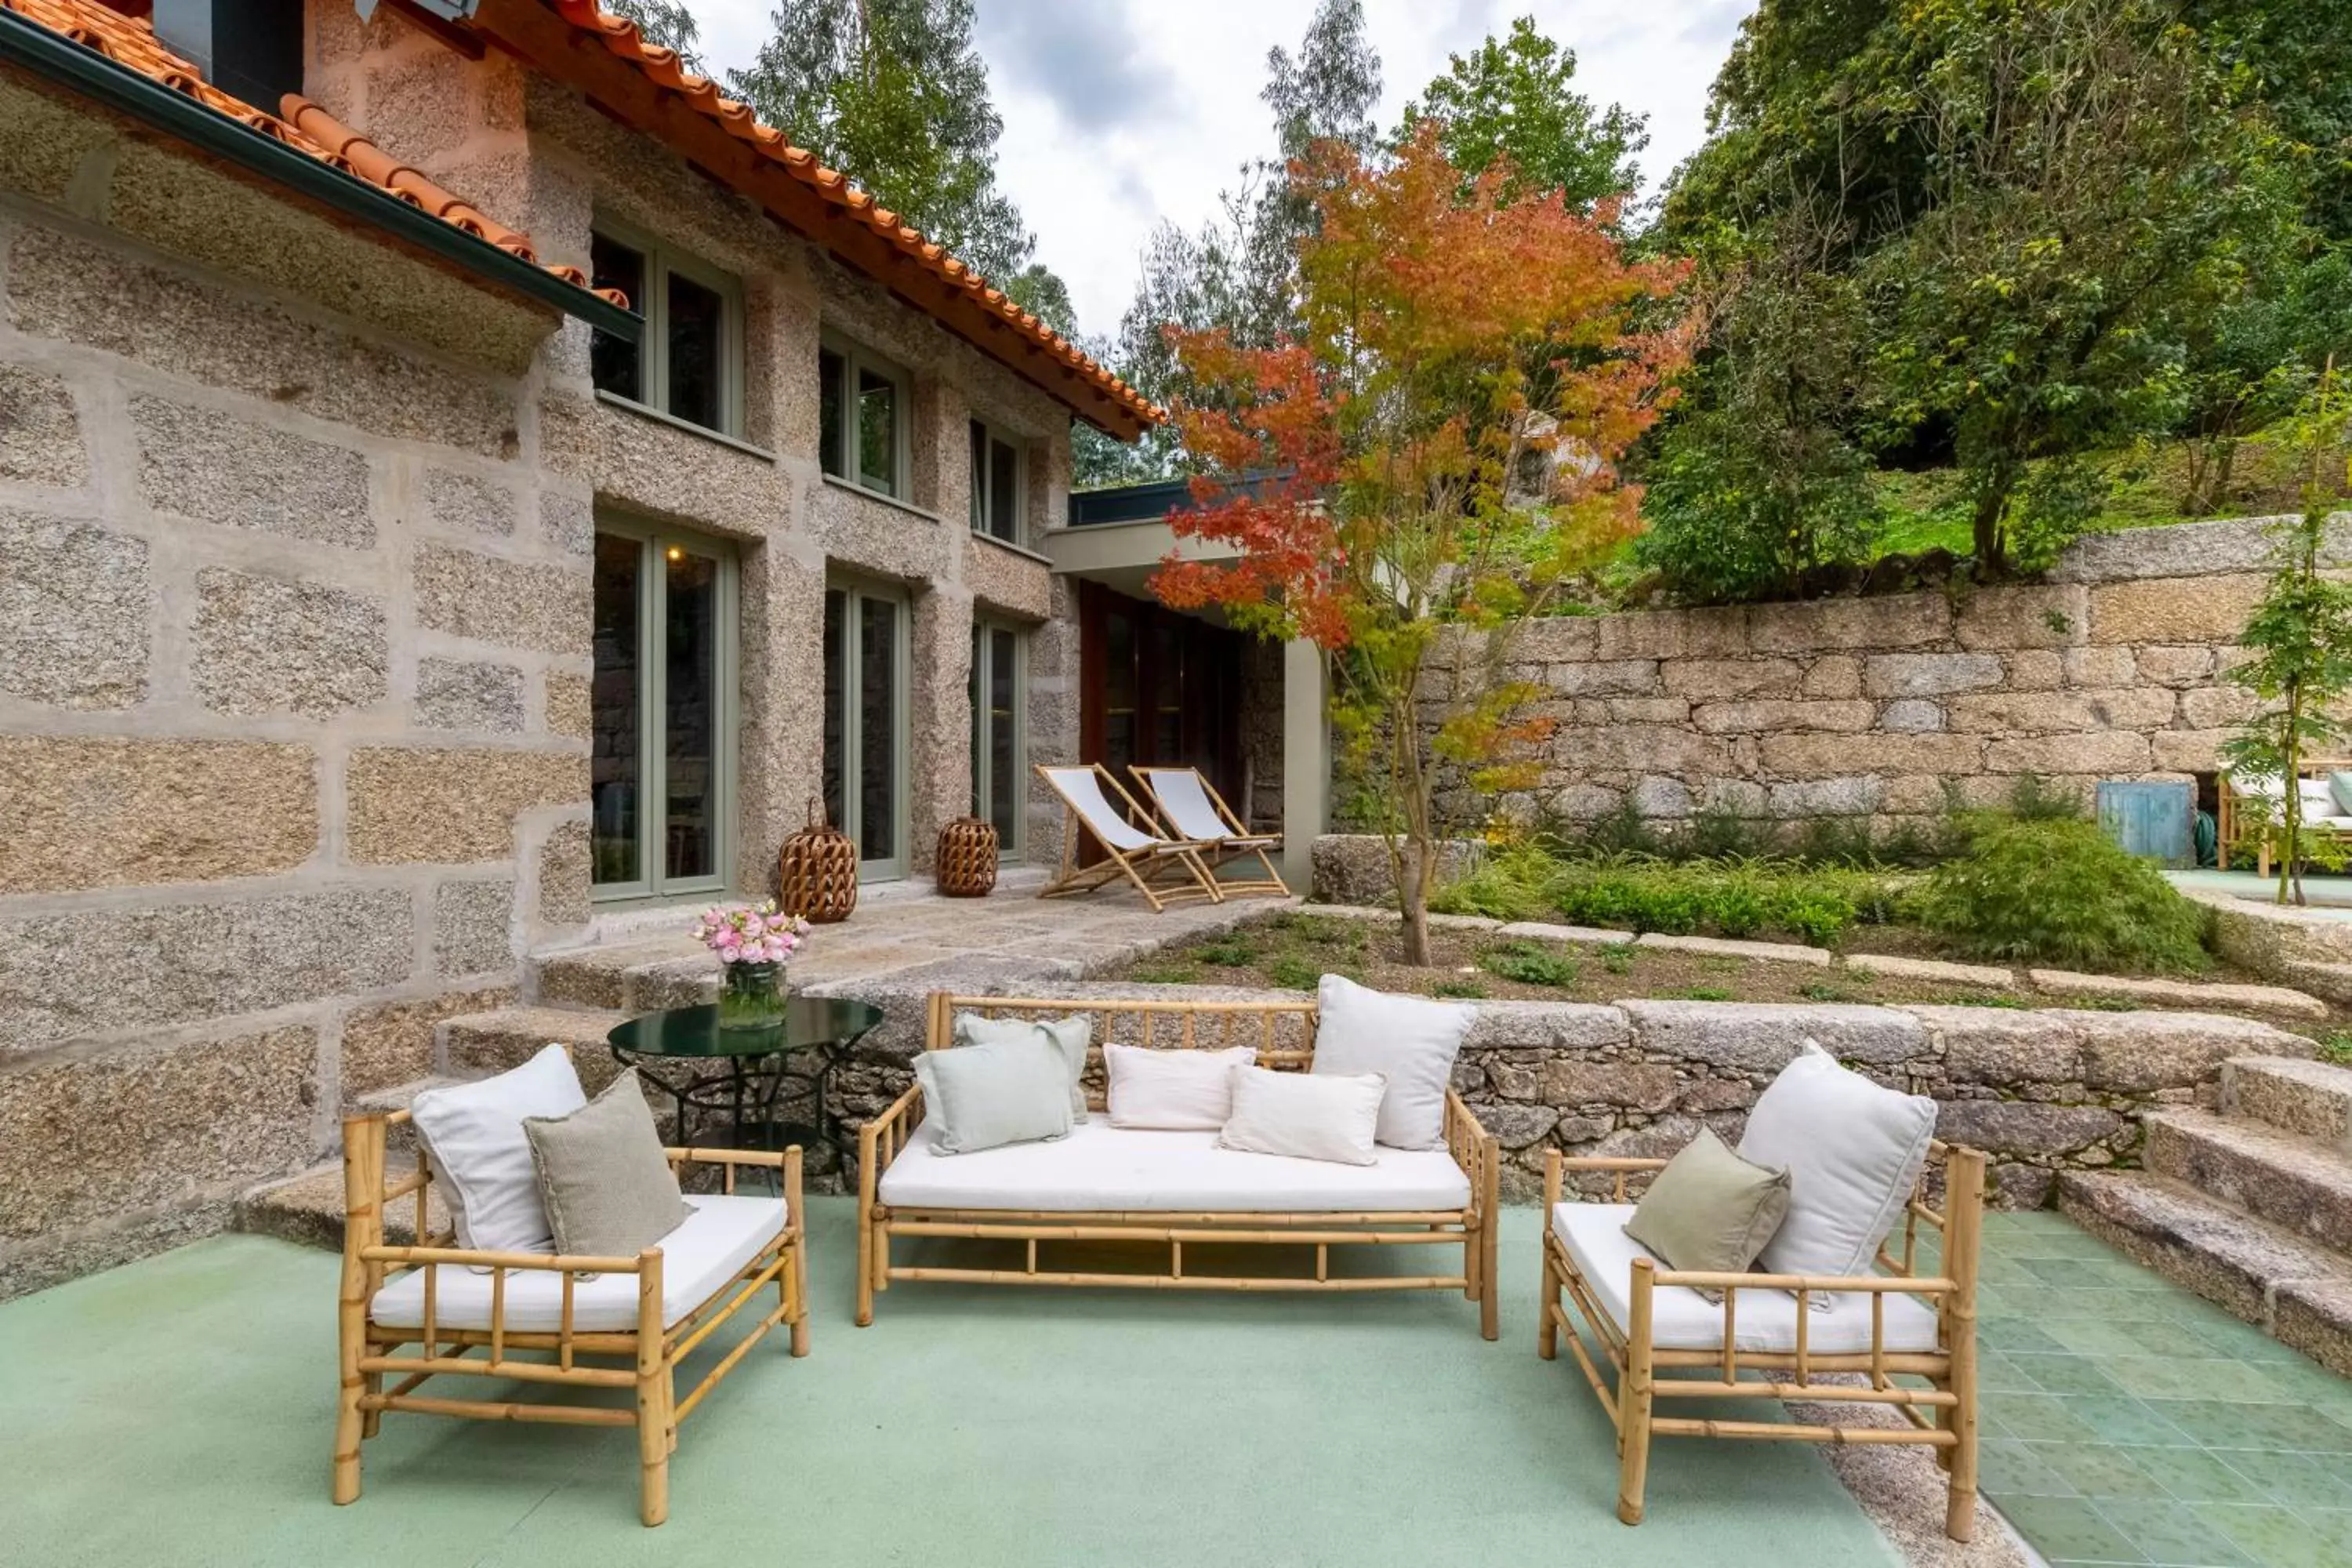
(750, 995)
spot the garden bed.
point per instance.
(1476, 960)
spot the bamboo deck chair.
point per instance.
(1164, 870)
(1765, 1338)
(1192, 805)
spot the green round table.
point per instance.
(686, 1036)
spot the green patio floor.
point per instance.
(179, 1411)
(2127, 1421)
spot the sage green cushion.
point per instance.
(1015, 1089)
(1710, 1211)
(1070, 1036)
(608, 1188)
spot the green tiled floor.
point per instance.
(2127, 1421)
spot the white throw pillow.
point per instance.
(1409, 1041)
(473, 1134)
(1172, 1091)
(1853, 1150)
(1308, 1115)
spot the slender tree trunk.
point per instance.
(2290, 759)
(1412, 783)
(1991, 549)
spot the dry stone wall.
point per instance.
(2112, 668)
(2040, 1091)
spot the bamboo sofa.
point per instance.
(1770, 1337)
(2247, 804)
(640, 1317)
(1104, 1186)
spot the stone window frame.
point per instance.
(661, 259)
(841, 466)
(648, 888)
(1007, 530)
(1011, 847)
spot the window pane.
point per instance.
(1003, 491)
(1003, 774)
(877, 431)
(697, 346)
(836, 710)
(614, 363)
(977, 687)
(830, 370)
(1168, 683)
(1118, 690)
(978, 476)
(615, 714)
(690, 715)
(877, 729)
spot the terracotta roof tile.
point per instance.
(620, 37)
(131, 41)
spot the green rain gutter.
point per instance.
(34, 48)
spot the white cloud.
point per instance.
(1120, 112)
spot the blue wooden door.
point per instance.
(2157, 820)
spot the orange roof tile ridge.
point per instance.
(131, 42)
(620, 37)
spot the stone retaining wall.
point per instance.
(2112, 668)
(2040, 1091)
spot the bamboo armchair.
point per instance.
(649, 1352)
(1942, 1416)
(1284, 1034)
(2231, 825)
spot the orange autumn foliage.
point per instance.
(1436, 456)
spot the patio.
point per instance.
(971, 1426)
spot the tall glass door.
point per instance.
(866, 637)
(999, 685)
(661, 771)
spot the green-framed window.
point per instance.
(866, 631)
(689, 364)
(662, 713)
(1000, 729)
(864, 419)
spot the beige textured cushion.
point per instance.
(608, 1188)
(1710, 1211)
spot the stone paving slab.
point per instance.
(1935, 971)
(1727, 947)
(1540, 931)
(2273, 999)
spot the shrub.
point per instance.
(1728, 898)
(1292, 973)
(1529, 965)
(2049, 890)
(1509, 883)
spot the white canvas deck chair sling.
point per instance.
(1191, 804)
(1164, 870)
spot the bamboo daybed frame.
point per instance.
(1284, 1034)
(1942, 1416)
(649, 1354)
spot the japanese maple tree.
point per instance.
(1444, 438)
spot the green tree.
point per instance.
(1513, 97)
(893, 93)
(2298, 54)
(2299, 638)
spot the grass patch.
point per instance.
(1151, 974)
(1617, 957)
(1233, 951)
(1821, 991)
(1699, 993)
(1530, 964)
(1293, 973)
(2335, 1048)
(1459, 990)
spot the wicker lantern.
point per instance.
(967, 858)
(816, 875)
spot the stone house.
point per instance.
(394, 583)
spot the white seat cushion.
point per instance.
(1099, 1167)
(719, 1238)
(1682, 1319)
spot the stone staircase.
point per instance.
(2249, 1206)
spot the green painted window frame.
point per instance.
(653, 810)
(842, 465)
(894, 867)
(984, 520)
(984, 788)
(661, 259)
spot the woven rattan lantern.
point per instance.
(967, 858)
(816, 875)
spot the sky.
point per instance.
(1118, 114)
